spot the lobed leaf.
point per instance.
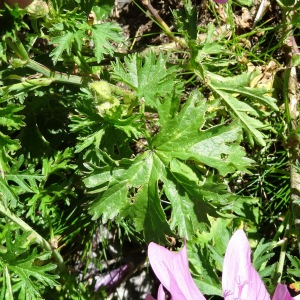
(65, 42)
(139, 187)
(148, 76)
(25, 273)
(215, 147)
(104, 35)
(229, 89)
(9, 119)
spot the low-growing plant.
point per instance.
(104, 143)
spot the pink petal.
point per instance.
(220, 1)
(240, 280)
(160, 294)
(113, 278)
(172, 269)
(282, 293)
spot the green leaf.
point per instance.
(8, 117)
(186, 20)
(119, 180)
(104, 10)
(139, 188)
(132, 125)
(142, 174)
(192, 201)
(25, 181)
(167, 109)
(148, 76)
(60, 162)
(204, 270)
(244, 207)
(3, 56)
(92, 139)
(294, 269)
(248, 3)
(261, 256)
(7, 194)
(25, 272)
(98, 178)
(295, 61)
(15, 182)
(208, 288)
(289, 4)
(188, 212)
(252, 126)
(147, 210)
(215, 147)
(240, 84)
(7, 144)
(7, 292)
(65, 41)
(231, 88)
(104, 35)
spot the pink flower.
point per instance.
(282, 293)
(172, 269)
(220, 1)
(239, 279)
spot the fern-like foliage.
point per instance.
(70, 37)
(150, 142)
(148, 76)
(25, 272)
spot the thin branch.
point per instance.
(20, 51)
(163, 24)
(293, 142)
(283, 247)
(55, 76)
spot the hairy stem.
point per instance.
(20, 51)
(55, 76)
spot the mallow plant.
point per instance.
(240, 280)
(104, 130)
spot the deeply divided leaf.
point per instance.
(140, 188)
(148, 76)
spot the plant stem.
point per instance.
(162, 23)
(282, 256)
(18, 48)
(293, 142)
(282, 227)
(56, 76)
(20, 51)
(34, 236)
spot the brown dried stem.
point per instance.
(292, 101)
(162, 23)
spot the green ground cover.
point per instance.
(123, 123)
